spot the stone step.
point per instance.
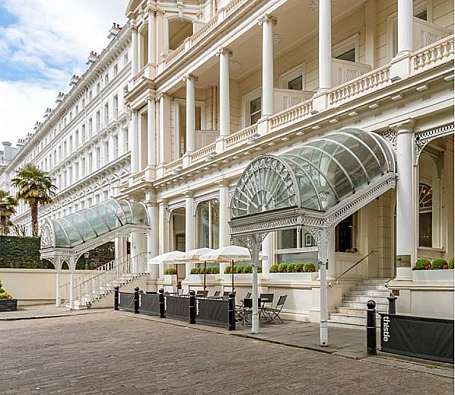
(351, 311)
(375, 281)
(383, 308)
(371, 292)
(365, 299)
(350, 320)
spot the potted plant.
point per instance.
(293, 271)
(437, 270)
(7, 303)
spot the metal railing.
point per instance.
(336, 280)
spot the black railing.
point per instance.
(178, 307)
(212, 312)
(149, 304)
(126, 301)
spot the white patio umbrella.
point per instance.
(195, 256)
(229, 254)
(167, 257)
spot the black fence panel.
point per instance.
(126, 301)
(428, 338)
(149, 304)
(212, 312)
(178, 307)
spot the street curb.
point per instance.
(48, 316)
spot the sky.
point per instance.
(42, 44)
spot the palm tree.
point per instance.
(7, 210)
(35, 187)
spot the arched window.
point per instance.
(425, 215)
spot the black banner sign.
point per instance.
(126, 301)
(149, 304)
(428, 338)
(178, 307)
(213, 312)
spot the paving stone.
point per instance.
(112, 353)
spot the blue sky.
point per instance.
(42, 44)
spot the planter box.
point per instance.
(199, 278)
(443, 275)
(8, 305)
(170, 279)
(293, 277)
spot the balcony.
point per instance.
(285, 98)
(344, 71)
(426, 33)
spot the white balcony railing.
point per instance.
(205, 137)
(285, 98)
(345, 71)
(426, 33)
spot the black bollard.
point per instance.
(162, 304)
(116, 297)
(192, 307)
(371, 327)
(231, 311)
(136, 300)
(392, 305)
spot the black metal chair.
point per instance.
(273, 313)
(216, 294)
(202, 294)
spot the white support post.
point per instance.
(325, 45)
(223, 219)
(406, 200)
(267, 252)
(151, 37)
(405, 16)
(190, 113)
(151, 132)
(225, 115)
(164, 140)
(189, 228)
(267, 23)
(323, 309)
(152, 238)
(138, 249)
(134, 142)
(163, 233)
(254, 252)
(72, 268)
(58, 268)
(134, 46)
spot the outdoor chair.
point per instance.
(216, 294)
(201, 294)
(273, 313)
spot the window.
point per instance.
(115, 106)
(90, 94)
(255, 108)
(115, 70)
(106, 153)
(76, 138)
(83, 134)
(125, 59)
(106, 113)
(98, 120)
(287, 239)
(425, 215)
(344, 235)
(292, 79)
(98, 88)
(83, 167)
(296, 84)
(90, 163)
(70, 144)
(347, 49)
(77, 108)
(349, 55)
(115, 148)
(208, 224)
(106, 79)
(98, 157)
(90, 127)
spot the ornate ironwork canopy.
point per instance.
(92, 223)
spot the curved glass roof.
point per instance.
(315, 175)
(90, 223)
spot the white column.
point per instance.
(267, 252)
(82, 165)
(190, 113)
(325, 45)
(331, 271)
(138, 249)
(405, 243)
(163, 233)
(152, 237)
(122, 141)
(58, 269)
(151, 37)
(189, 227)
(323, 308)
(111, 155)
(151, 132)
(225, 114)
(405, 16)
(134, 46)
(165, 142)
(134, 142)
(224, 217)
(267, 64)
(72, 267)
(370, 33)
(120, 245)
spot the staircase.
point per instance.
(91, 288)
(352, 311)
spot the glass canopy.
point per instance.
(96, 221)
(315, 175)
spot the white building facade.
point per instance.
(213, 84)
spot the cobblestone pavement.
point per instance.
(114, 353)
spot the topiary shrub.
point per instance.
(215, 270)
(274, 268)
(422, 264)
(3, 294)
(450, 263)
(195, 270)
(309, 267)
(227, 270)
(170, 271)
(438, 264)
(282, 267)
(292, 268)
(300, 267)
(259, 269)
(248, 269)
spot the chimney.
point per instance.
(60, 97)
(48, 112)
(74, 80)
(114, 30)
(92, 58)
(37, 125)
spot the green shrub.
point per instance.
(274, 268)
(195, 270)
(438, 264)
(282, 267)
(259, 269)
(300, 267)
(248, 269)
(3, 294)
(227, 270)
(309, 267)
(292, 268)
(450, 263)
(215, 270)
(422, 264)
(170, 271)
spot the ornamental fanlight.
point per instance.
(74, 80)
(114, 30)
(60, 97)
(92, 58)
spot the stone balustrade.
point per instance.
(430, 56)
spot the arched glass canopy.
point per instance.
(96, 221)
(315, 175)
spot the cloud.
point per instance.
(42, 43)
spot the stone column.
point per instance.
(405, 16)
(224, 217)
(152, 236)
(151, 132)
(122, 141)
(111, 145)
(163, 232)
(58, 269)
(225, 114)
(151, 37)
(267, 64)
(325, 45)
(165, 143)
(267, 252)
(134, 142)
(134, 47)
(190, 113)
(405, 190)
(138, 249)
(82, 164)
(189, 227)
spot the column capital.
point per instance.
(161, 95)
(188, 194)
(190, 76)
(266, 18)
(224, 51)
(224, 182)
(406, 126)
